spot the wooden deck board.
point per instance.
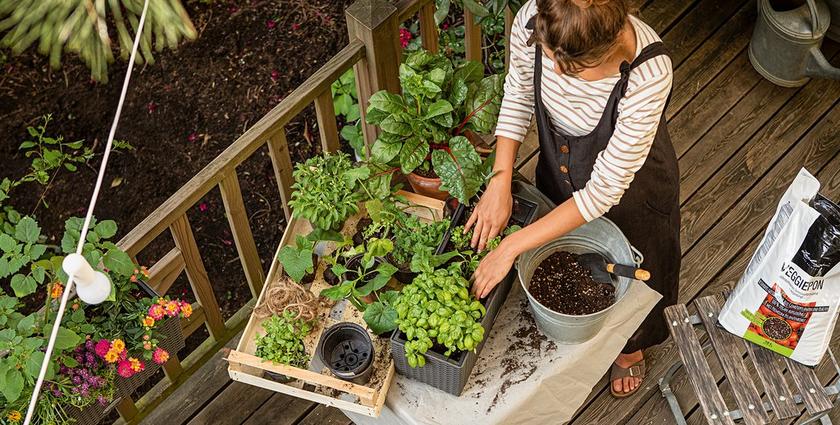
(740, 140)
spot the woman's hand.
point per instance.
(492, 269)
(492, 213)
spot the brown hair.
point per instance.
(581, 33)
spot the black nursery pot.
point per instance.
(347, 350)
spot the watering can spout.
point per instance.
(819, 67)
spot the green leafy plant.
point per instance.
(439, 103)
(364, 273)
(414, 235)
(283, 340)
(327, 190)
(346, 105)
(483, 9)
(380, 315)
(437, 306)
(82, 26)
(297, 260)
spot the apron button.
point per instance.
(564, 170)
(564, 149)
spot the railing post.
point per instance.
(374, 23)
(472, 37)
(428, 27)
(241, 229)
(196, 273)
(281, 161)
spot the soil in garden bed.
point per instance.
(180, 113)
(565, 286)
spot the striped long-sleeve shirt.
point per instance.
(575, 106)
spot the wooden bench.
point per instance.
(778, 400)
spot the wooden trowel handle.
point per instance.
(628, 271)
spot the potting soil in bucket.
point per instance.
(563, 315)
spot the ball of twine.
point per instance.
(289, 296)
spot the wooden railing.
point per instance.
(374, 53)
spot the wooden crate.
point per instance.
(321, 386)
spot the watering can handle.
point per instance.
(815, 16)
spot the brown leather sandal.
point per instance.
(636, 370)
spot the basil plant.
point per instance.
(425, 125)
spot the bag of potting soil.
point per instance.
(788, 298)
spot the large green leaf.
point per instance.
(118, 261)
(459, 169)
(27, 230)
(23, 285)
(7, 243)
(412, 154)
(395, 125)
(106, 229)
(380, 318)
(388, 102)
(12, 384)
(470, 72)
(459, 91)
(296, 260)
(386, 148)
(476, 8)
(33, 366)
(439, 108)
(66, 339)
(338, 292)
(485, 102)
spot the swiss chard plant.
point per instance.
(424, 126)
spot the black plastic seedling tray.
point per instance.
(450, 374)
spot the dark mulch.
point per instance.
(215, 88)
(565, 286)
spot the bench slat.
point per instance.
(770, 368)
(813, 394)
(694, 361)
(729, 350)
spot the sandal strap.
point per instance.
(636, 370)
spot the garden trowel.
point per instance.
(601, 270)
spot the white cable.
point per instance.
(61, 307)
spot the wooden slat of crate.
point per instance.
(729, 349)
(694, 361)
(770, 369)
(806, 381)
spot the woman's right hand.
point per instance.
(493, 211)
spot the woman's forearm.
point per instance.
(506, 150)
(563, 219)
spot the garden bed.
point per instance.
(316, 383)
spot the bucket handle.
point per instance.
(638, 257)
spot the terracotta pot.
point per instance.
(478, 142)
(427, 186)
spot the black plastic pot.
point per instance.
(450, 374)
(347, 350)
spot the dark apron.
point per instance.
(649, 211)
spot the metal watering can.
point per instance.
(785, 46)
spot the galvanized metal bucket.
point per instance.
(600, 236)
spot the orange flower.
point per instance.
(172, 308)
(148, 321)
(118, 345)
(112, 356)
(186, 309)
(57, 290)
(136, 365)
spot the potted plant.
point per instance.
(283, 341)
(364, 274)
(423, 129)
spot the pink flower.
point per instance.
(151, 107)
(156, 311)
(295, 26)
(445, 26)
(275, 75)
(193, 137)
(160, 356)
(173, 308)
(102, 347)
(271, 24)
(405, 37)
(202, 207)
(124, 369)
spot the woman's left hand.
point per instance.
(492, 269)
